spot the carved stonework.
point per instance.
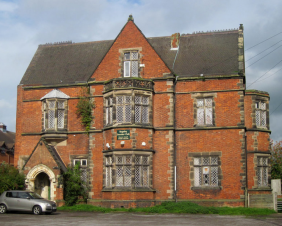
(128, 83)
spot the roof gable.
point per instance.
(130, 38)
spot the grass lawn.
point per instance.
(172, 207)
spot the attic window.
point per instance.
(131, 64)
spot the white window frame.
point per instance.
(131, 64)
(80, 161)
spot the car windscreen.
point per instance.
(34, 195)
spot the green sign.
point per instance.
(123, 134)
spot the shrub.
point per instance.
(276, 160)
(74, 187)
(11, 178)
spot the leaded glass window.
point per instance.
(204, 111)
(142, 109)
(260, 114)
(54, 114)
(123, 170)
(109, 110)
(262, 172)
(131, 64)
(206, 171)
(123, 109)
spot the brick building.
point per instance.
(7, 145)
(172, 120)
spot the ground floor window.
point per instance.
(206, 171)
(127, 171)
(262, 171)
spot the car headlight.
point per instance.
(48, 204)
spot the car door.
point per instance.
(23, 201)
(11, 200)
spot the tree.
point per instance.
(11, 178)
(276, 160)
(74, 186)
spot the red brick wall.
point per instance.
(204, 142)
(130, 37)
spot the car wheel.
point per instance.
(3, 208)
(37, 210)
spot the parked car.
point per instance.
(25, 201)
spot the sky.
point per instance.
(25, 24)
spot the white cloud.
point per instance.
(7, 7)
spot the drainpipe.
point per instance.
(174, 125)
(246, 168)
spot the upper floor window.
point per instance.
(131, 64)
(127, 109)
(204, 111)
(54, 114)
(54, 110)
(260, 114)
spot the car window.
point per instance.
(34, 195)
(11, 194)
(23, 195)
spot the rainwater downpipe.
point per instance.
(174, 127)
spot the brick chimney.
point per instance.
(3, 127)
(175, 40)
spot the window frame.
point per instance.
(201, 166)
(204, 108)
(260, 113)
(56, 108)
(130, 69)
(112, 166)
(262, 177)
(126, 113)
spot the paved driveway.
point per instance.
(135, 219)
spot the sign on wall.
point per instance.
(123, 134)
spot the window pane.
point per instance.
(51, 119)
(200, 116)
(258, 118)
(119, 113)
(107, 116)
(200, 102)
(208, 102)
(262, 106)
(137, 113)
(134, 55)
(263, 118)
(127, 113)
(111, 115)
(109, 176)
(138, 176)
(119, 176)
(137, 99)
(84, 162)
(145, 175)
(127, 56)
(61, 116)
(145, 114)
(197, 161)
(52, 104)
(134, 68)
(214, 176)
(197, 176)
(208, 116)
(127, 176)
(61, 104)
(127, 69)
(145, 100)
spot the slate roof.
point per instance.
(214, 53)
(8, 137)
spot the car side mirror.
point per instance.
(28, 198)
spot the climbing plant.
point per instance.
(84, 108)
(276, 160)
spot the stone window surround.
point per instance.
(45, 115)
(196, 96)
(256, 170)
(131, 93)
(191, 174)
(257, 98)
(133, 154)
(121, 59)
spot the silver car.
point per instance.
(25, 201)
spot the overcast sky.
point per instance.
(24, 24)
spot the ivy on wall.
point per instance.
(84, 108)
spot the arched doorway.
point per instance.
(42, 185)
(42, 180)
